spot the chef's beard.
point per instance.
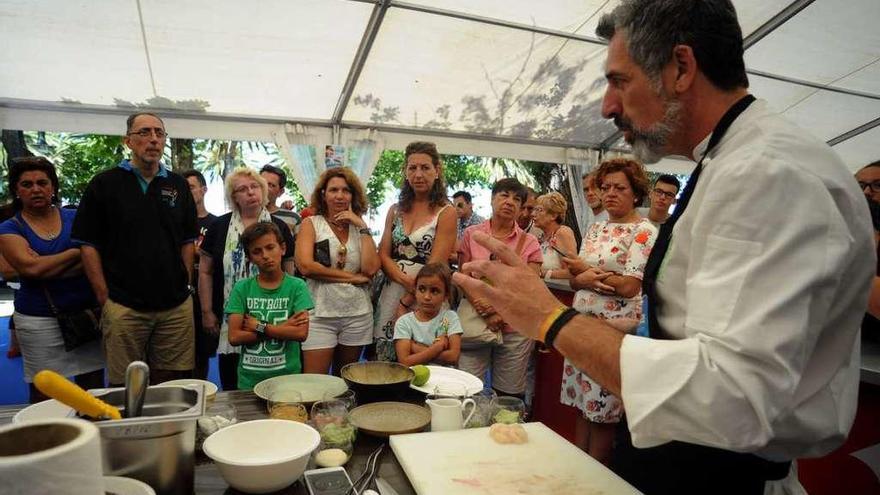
(650, 145)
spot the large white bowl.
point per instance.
(262, 456)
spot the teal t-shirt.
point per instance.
(270, 357)
(424, 332)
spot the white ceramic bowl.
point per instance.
(210, 388)
(262, 456)
(126, 486)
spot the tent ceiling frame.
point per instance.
(774, 22)
(360, 58)
(15, 103)
(606, 144)
(822, 87)
(421, 131)
(146, 48)
(496, 22)
(370, 33)
(247, 119)
(854, 132)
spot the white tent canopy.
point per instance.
(511, 78)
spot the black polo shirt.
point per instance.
(139, 235)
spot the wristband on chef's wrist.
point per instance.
(365, 231)
(542, 331)
(557, 325)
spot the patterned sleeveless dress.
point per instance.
(410, 253)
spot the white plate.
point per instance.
(48, 409)
(442, 374)
(210, 388)
(312, 386)
(126, 486)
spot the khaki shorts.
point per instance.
(507, 361)
(163, 339)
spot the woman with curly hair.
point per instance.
(607, 275)
(336, 254)
(419, 229)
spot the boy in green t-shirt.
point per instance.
(268, 313)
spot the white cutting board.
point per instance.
(468, 462)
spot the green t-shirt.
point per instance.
(270, 357)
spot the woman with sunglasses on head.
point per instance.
(336, 253)
(419, 229)
(223, 260)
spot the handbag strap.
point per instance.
(49, 300)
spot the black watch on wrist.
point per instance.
(261, 328)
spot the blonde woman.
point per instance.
(556, 238)
(223, 261)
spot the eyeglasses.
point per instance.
(146, 132)
(244, 189)
(666, 194)
(874, 185)
(341, 255)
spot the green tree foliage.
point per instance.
(77, 158)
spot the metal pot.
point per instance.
(157, 447)
(374, 381)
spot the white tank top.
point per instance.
(333, 299)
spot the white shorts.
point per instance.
(328, 332)
(42, 347)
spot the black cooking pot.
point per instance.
(374, 381)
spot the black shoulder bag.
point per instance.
(77, 327)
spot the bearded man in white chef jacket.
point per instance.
(754, 310)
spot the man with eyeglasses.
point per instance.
(136, 227)
(869, 181)
(662, 197)
(464, 208)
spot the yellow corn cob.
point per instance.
(63, 390)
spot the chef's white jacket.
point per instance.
(763, 290)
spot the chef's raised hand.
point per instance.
(517, 293)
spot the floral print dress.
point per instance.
(622, 248)
(410, 253)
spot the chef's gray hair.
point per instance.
(654, 27)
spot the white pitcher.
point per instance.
(446, 414)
